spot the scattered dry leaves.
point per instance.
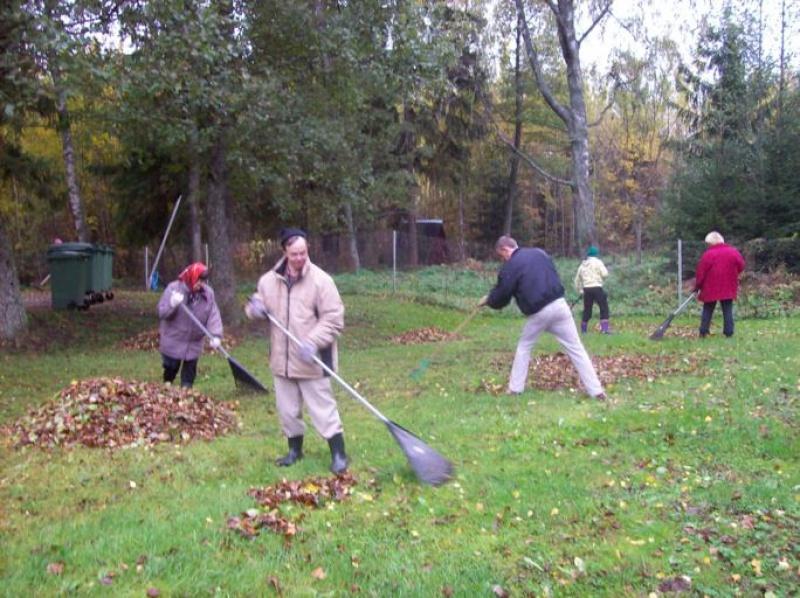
(431, 334)
(554, 371)
(148, 341)
(113, 413)
(311, 492)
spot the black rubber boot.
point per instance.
(295, 452)
(338, 458)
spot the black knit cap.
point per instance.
(288, 233)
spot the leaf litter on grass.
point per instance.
(554, 371)
(311, 492)
(114, 413)
(430, 334)
(149, 341)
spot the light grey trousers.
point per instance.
(555, 318)
(316, 393)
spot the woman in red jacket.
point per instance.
(717, 279)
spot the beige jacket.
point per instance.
(590, 274)
(311, 309)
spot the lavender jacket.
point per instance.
(180, 338)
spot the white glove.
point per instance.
(483, 301)
(307, 352)
(215, 342)
(176, 299)
(255, 308)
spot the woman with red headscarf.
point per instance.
(181, 340)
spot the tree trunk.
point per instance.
(577, 126)
(221, 254)
(68, 155)
(194, 207)
(462, 247)
(355, 261)
(413, 245)
(13, 320)
(574, 116)
(512, 177)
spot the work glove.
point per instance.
(307, 352)
(215, 342)
(484, 300)
(255, 308)
(176, 298)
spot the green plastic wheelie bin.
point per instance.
(69, 275)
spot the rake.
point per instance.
(429, 466)
(424, 364)
(659, 333)
(244, 380)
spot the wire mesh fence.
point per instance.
(437, 269)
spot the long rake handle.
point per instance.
(683, 305)
(457, 329)
(164, 240)
(332, 374)
(205, 330)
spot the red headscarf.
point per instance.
(192, 274)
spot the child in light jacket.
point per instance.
(589, 281)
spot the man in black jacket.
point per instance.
(530, 277)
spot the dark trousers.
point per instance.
(727, 317)
(592, 295)
(172, 365)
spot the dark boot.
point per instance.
(338, 458)
(584, 327)
(604, 327)
(295, 452)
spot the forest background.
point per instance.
(352, 119)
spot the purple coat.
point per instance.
(179, 337)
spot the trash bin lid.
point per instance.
(67, 255)
(62, 247)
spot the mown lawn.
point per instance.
(687, 479)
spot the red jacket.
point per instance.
(718, 272)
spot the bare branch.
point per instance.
(533, 57)
(596, 21)
(531, 162)
(602, 114)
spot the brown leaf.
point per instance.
(275, 585)
(319, 573)
(153, 592)
(499, 592)
(675, 584)
(55, 568)
(447, 592)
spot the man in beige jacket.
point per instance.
(305, 300)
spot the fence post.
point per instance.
(394, 261)
(680, 271)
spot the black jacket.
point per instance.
(529, 277)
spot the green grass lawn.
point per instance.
(692, 474)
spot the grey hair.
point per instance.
(714, 238)
(505, 242)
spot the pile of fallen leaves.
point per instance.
(555, 371)
(148, 341)
(311, 492)
(111, 413)
(431, 334)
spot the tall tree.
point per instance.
(573, 114)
